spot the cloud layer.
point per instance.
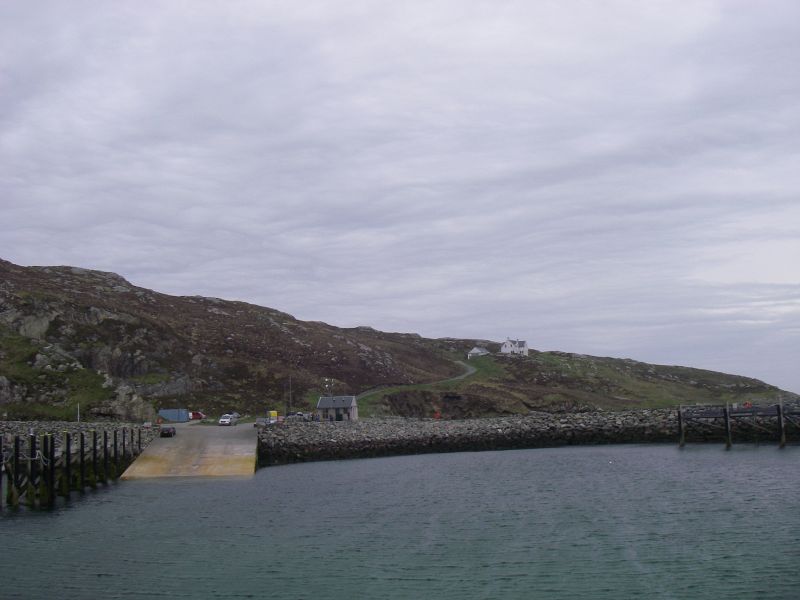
(613, 178)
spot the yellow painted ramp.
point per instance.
(199, 451)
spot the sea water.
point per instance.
(627, 521)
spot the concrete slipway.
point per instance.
(199, 451)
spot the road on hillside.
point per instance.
(198, 451)
(468, 370)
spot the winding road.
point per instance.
(468, 370)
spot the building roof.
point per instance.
(479, 350)
(516, 342)
(336, 402)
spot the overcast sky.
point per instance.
(610, 178)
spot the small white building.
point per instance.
(337, 408)
(514, 347)
(477, 351)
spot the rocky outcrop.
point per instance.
(170, 350)
(71, 336)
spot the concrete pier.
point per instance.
(199, 451)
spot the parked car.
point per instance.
(167, 431)
(228, 420)
(196, 415)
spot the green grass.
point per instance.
(486, 369)
(40, 412)
(18, 352)
(150, 378)
(81, 386)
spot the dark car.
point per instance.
(168, 431)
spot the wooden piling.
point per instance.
(681, 428)
(140, 440)
(2, 467)
(781, 425)
(82, 463)
(105, 456)
(66, 476)
(51, 500)
(94, 458)
(728, 434)
(45, 483)
(32, 472)
(17, 469)
(116, 457)
(30, 492)
(12, 494)
(124, 446)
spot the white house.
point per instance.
(337, 408)
(514, 347)
(477, 351)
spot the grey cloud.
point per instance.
(618, 179)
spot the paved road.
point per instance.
(199, 451)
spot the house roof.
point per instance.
(479, 350)
(516, 342)
(336, 402)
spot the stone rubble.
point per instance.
(296, 442)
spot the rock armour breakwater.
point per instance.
(297, 442)
(293, 442)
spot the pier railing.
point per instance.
(746, 422)
(40, 467)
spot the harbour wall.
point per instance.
(299, 441)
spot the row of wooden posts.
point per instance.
(35, 474)
(722, 419)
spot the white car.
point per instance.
(228, 420)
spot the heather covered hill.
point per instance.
(59, 325)
(563, 382)
(71, 336)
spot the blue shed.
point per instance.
(176, 415)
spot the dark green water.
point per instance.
(586, 522)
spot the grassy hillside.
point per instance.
(557, 381)
(71, 336)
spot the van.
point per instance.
(228, 419)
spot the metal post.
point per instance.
(781, 424)
(681, 428)
(728, 434)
